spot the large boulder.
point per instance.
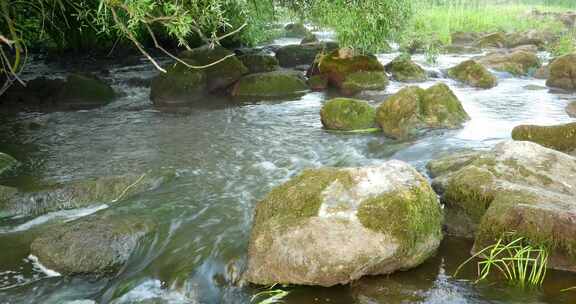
(530, 37)
(259, 63)
(179, 85)
(518, 187)
(558, 137)
(462, 38)
(492, 40)
(82, 193)
(347, 114)
(571, 109)
(518, 63)
(220, 73)
(275, 84)
(412, 110)
(84, 92)
(94, 246)
(404, 69)
(473, 74)
(6, 162)
(563, 73)
(332, 226)
(290, 56)
(296, 30)
(352, 73)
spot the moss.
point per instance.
(364, 80)
(83, 88)
(179, 84)
(451, 163)
(403, 68)
(299, 198)
(526, 173)
(347, 114)
(492, 40)
(474, 74)
(471, 191)
(6, 162)
(411, 216)
(318, 82)
(518, 63)
(296, 30)
(559, 137)
(259, 63)
(563, 72)
(270, 85)
(337, 67)
(294, 55)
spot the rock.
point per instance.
(259, 63)
(331, 226)
(518, 63)
(270, 85)
(96, 246)
(518, 187)
(525, 48)
(352, 73)
(473, 74)
(492, 40)
(558, 137)
(404, 69)
(179, 85)
(219, 75)
(6, 162)
(364, 81)
(139, 82)
(318, 83)
(6, 193)
(542, 72)
(82, 193)
(563, 73)
(531, 37)
(85, 92)
(464, 37)
(295, 55)
(413, 110)
(571, 109)
(310, 38)
(461, 49)
(296, 30)
(347, 114)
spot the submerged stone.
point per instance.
(331, 226)
(271, 85)
(96, 245)
(6, 162)
(404, 69)
(84, 91)
(563, 73)
(413, 110)
(473, 74)
(82, 193)
(518, 187)
(347, 115)
(364, 81)
(559, 137)
(260, 63)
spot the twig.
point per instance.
(128, 188)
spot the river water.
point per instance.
(228, 156)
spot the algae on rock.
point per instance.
(347, 114)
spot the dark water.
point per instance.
(228, 157)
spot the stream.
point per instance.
(228, 157)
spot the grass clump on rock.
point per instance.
(347, 114)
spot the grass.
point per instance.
(521, 264)
(271, 295)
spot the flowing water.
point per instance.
(228, 157)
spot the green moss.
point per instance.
(527, 173)
(364, 80)
(337, 68)
(347, 114)
(403, 68)
(179, 84)
(451, 163)
(318, 82)
(559, 137)
(270, 85)
(492, 40)
(83, 88)
(471, 191)
(259, 63)
(294, 55)
(563, 72)
(474, 74)
(411, 216)
(6, 162)
(296, 30)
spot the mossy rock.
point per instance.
(404, 69)
(492, 40)
(83, 193)
(473, 74)
(296, 30)
(331, 226)
(542, 72)
(461, 49)
(364, 81)
(347, 114)
(260, 63)
(563, 73)
(270, 85)
(571, 109)
(85, 91)
(97, 246)
(310, 38)
(558, 137)
(464, 37)
(318, 83)
(413, 110)
(290, 56)
(531, 37)
(218, 75)
(179, 85)
(518, 187)
(6, 162)
(519, 63)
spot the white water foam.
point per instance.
(38, 266)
